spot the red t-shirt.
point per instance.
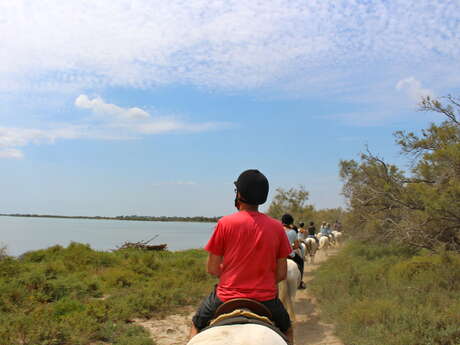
(250, 243)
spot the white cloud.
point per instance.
(111, 123)
(17, 137)
(139, 121)
(12, 138)
(11, 153)
(342, 50)
(98, 106)
(413, 88)
(170, 125)
(230, 44)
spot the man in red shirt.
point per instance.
(248, 252)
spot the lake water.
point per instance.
(21, 234)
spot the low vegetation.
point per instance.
(391, 295)
(195, 219)
(76, 295)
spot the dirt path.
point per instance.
(308, 330)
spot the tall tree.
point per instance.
(421, 208)
(293, 201)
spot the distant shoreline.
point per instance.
(196, 219)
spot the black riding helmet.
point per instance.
(252, 186)
(287, 219)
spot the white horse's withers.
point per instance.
(287, 288)
(237, 335)
(310, 249)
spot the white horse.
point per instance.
(287, 288)
(310, 248)
(324, 243)
(338, 237)
(237, 335)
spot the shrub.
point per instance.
(391, 295)
(75, 295)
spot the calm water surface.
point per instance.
(21, 234)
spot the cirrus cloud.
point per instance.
(231, 44)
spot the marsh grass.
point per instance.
(76, 295)
(391, 295)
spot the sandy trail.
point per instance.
(308, 330)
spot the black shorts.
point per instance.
(205, 312)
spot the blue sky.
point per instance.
(154, 108)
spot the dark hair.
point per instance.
(287, 219)
(252, 186)
(311, 223)
(301, 225)
(294, 227)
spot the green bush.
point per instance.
(75, 295)
(391, 295)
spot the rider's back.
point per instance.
(250, 243)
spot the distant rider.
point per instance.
(312, 232)
(302, 234)
(288, 221)
(326, 231)
(337, 226)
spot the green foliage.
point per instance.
(420, 208)
(391, 295)
(75, 295)
(328, 215)
(295, 202)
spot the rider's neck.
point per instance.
(249, 208)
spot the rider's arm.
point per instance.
(281, 269)
(214, 265)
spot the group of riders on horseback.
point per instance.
(249, 251)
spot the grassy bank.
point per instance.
(77, 295)
(391, 295)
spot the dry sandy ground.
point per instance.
(308, 330)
